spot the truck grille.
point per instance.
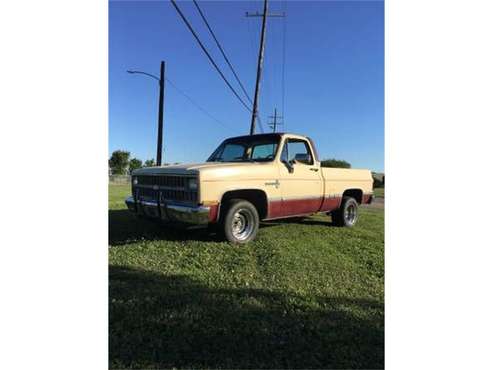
(168, 181)
(147, 194)
(180, 195)
(163, 189)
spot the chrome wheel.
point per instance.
(350, 214)
(242, 224)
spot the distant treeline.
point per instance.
(120, 163)
(335, 163)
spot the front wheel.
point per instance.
(347, 214)
(240, 222)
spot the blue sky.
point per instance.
(334, 84)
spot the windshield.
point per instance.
(255, 148)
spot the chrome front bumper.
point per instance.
(170, 212)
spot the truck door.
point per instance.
(300, 179)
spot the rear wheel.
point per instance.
(347, 214)
(240, 222)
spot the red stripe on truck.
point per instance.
(213, 211)
(305, 206)
(367, 198)
(330, 204)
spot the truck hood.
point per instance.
(207, 170)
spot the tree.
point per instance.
(335, 163)
(134, 164)
(378, 180)
(149, 163)
(119, 162)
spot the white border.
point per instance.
(53, 254)
(439, 247)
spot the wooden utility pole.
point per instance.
(259, 69)
(260, 61)
(274, 124)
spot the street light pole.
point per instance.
(160, 117)
(161, 80)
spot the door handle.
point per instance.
(314, 169)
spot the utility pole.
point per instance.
(160, 117)
(161, 110)
(274, 124)
(260, 61)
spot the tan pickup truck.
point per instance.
(248, 179)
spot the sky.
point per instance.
(334, 76)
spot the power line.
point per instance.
(197, 105)
(208, 55)
(222, 50)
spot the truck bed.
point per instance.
(337, 180)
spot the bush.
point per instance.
(134, 164)
(378, 180)
(335, 163)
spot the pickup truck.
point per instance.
(249, 179)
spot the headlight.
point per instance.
(135, 181)
(192, 184)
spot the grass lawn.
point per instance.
(379, 192)
(305, 294)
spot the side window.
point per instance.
(300, 151)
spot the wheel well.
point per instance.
(355, 193)
(257, 197)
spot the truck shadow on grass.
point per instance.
(124, 228)
(159, 321)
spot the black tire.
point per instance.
(240, 222)
(347, 214)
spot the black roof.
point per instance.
(258, 136)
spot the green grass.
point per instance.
(379, 192)
(305, 294)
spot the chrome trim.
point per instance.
(149, 204)
(195, 215)
(190, 215)
(130, 202)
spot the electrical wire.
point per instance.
(197, 105)
(208, 55)
(222, 50)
